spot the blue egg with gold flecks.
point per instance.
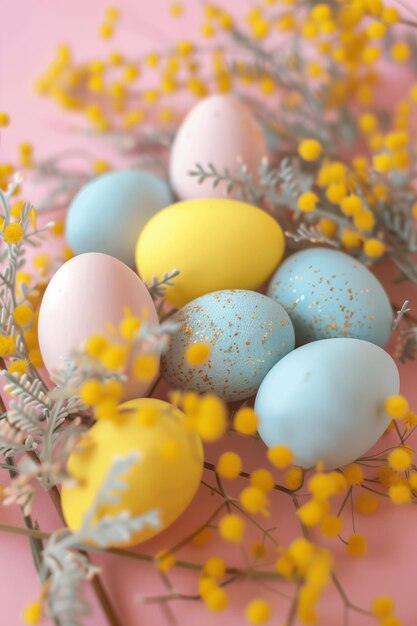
(330, 294)
(108, 214)
(247, 333)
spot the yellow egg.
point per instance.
(215, 243)
(166, 476)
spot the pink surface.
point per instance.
(30, 31)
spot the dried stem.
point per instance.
(148, 558)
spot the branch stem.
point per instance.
(148, 558)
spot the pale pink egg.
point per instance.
(86, 294)
(220, 130)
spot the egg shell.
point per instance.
(109, 212)
(247, 334)
(215, 243)
(325, 401)
(330, 294)
(219, 130)
(157, 481)
(85, 294)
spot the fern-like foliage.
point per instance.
(311, 234)
(65, 563)
(240, 184)
(401, 314)
(158, 287)
(406, 348)
(283, 185)
(13, 441)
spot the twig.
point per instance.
(345, 500)
(212, 468)
(139, 556)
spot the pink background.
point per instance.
(30, 32)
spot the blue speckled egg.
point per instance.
(325, 401)
(247, 333)
(109, 212)
(330, 294)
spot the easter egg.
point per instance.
(86, 294)
(330, 294)
(109, 212)
(247, 334)
(325, 401)
(165, 477)
(219, 130)
(215, 243)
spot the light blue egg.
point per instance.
(325, 401)
(109, 212)
(247, 333)
(330, 294)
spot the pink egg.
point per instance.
(220, 130)
(85, 294)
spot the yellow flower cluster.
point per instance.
(24, 160)
(7, 171)
(25, 316)
(213, 595)
(396, 473)
(258, 611)
(7, 346)
(304, 561)
(317, 510)
(164, 560)
(343, 200)
(197, 353)
(4, 119)
(108, 91)
(206, 415)
(115, 352)
(13, 233)
(254, 500)
(396, 407)
(357, 545)
(313, 565)
(245, 421)
(346, 41)
(32, 614)
(104, 397)
(280, 456)
(382, 608)
(229, 465)
(232, 528)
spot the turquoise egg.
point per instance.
(109, 212)
(330, 294)
(247, 333)
(325, 401)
